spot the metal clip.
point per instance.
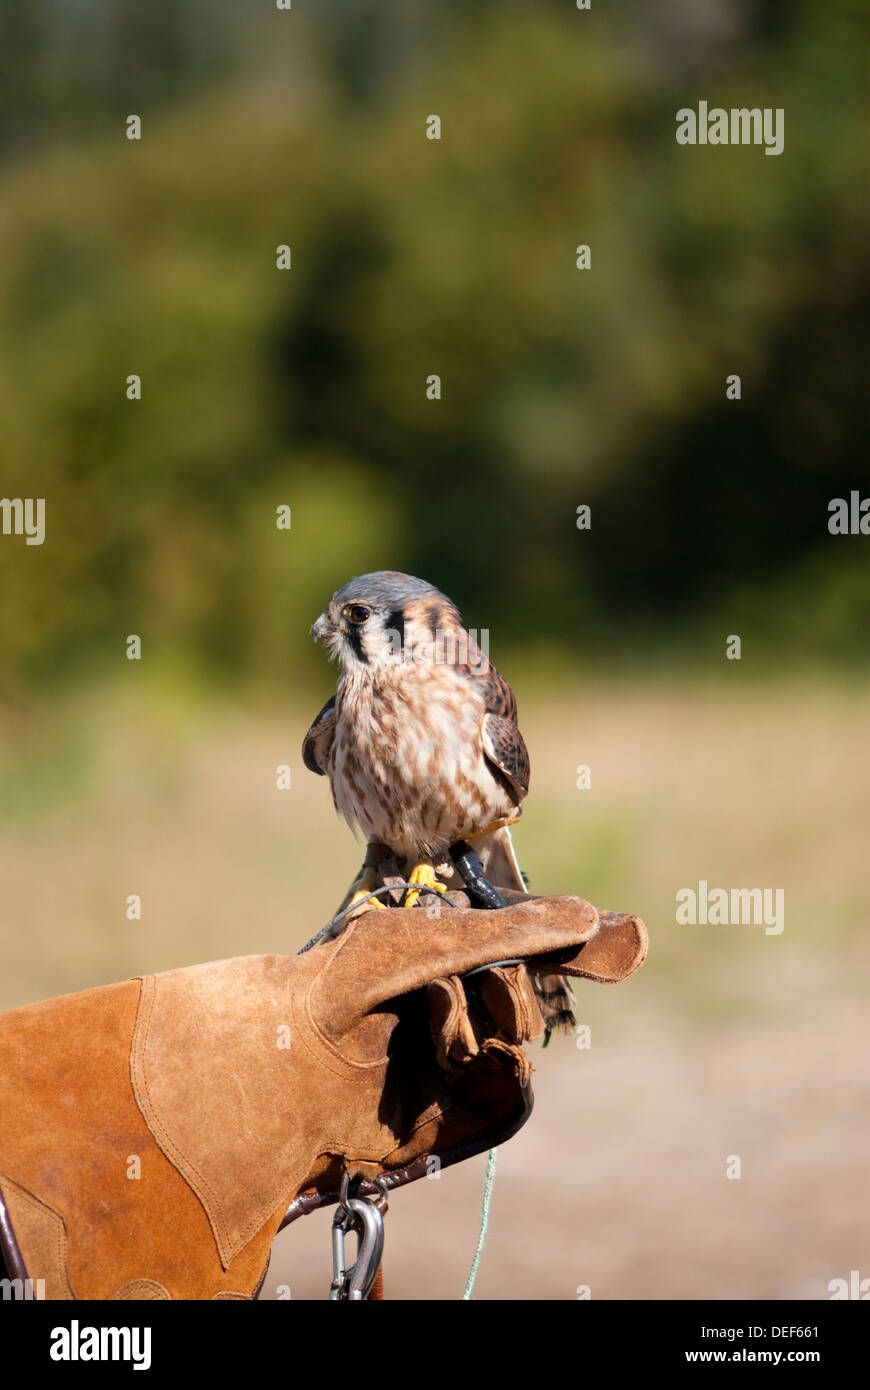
(366, 1221)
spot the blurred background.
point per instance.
(306, 388)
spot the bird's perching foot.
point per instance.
(365, 884)
(424, 875)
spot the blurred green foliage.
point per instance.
(306, 387)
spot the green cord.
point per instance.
(484, 1221)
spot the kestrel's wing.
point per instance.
(503, 743)
(318, 740)
(498, 696)
(504, 747)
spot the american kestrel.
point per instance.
(420, 741)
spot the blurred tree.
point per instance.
(410, 256)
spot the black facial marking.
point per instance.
(396, 623)
(354, 637)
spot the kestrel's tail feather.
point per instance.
(554, 994)
(499, 859)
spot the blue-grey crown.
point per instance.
(387, 587)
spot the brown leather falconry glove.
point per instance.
(156, 1134)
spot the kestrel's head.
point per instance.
(379, 619)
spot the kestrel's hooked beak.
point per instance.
(320, 628)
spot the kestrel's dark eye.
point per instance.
(357, 612)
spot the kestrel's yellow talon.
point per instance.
(364, 893)
(365, 883)
(424, 875)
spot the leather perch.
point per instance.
(156, 1134)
